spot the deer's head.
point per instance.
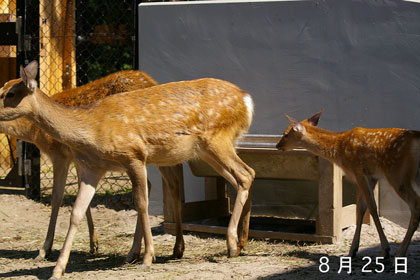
(294, 134)
(15, 95)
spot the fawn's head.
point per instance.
(15, 94)
(295, 132)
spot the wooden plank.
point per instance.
(12, 190)
(170, 228)
(168, 200)
(210, 188)
(348, 216)
(329, 200)
(214, 187)
(7, 69)
(205, 209)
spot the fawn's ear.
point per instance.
(315, 118)
(28, 75)
(296, 126)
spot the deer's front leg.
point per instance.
(60, 170)
(89, 181)
(360, 212)
(93, 237)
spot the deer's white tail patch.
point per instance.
(250, 107)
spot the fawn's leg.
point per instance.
(366, 190)
(407, 193)
(360, 212)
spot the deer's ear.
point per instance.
(315, 118)
(28, 75)
(296, 126)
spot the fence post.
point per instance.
(32, 171)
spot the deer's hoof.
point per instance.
(39, 258)
(94, 248)
(234, 253)
(145, 268)
(132, 259)
(178, 253)
(386, 253)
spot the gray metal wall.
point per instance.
(357, 59)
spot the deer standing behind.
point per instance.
(61, 156)
(163, 125)
(367, 155)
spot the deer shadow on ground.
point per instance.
(79, 262)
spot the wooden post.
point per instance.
(8, 72)
(215, 188)
(168, 201)
(57, 45)
(330, 200)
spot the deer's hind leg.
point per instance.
(364, 187)
(222, 157)
(138, 176)
(134, 253)
(407, 193)
(361, 207)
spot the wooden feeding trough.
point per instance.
(259, 152)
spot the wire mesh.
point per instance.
(94, 38)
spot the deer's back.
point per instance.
(378, 152)
(170, 121)
(191, 107)
(122, 81)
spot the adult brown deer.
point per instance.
(163, 125)
(366, 155)
(61, 156)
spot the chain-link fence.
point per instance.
(75, 42)
(92, 38)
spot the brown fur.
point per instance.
(367, 155)
(162, 125)
(122, 81)
(59, 154)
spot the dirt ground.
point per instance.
(23, 225)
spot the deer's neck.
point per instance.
(20, 128)
(323, 143)
(64, 124)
